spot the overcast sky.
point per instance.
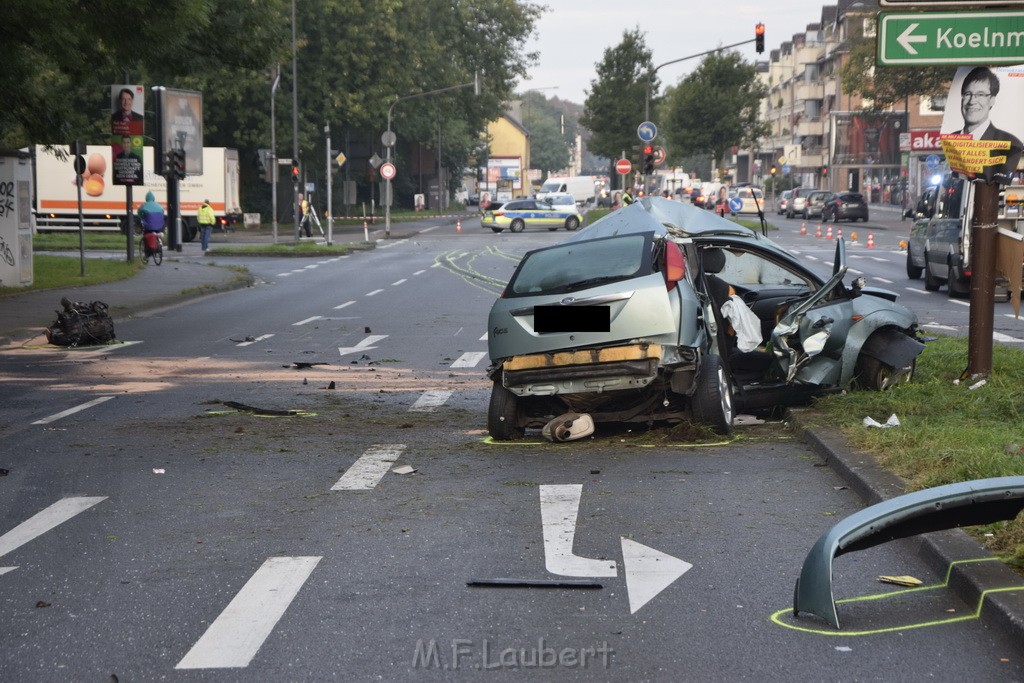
(572, 35)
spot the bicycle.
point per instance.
(150, 245)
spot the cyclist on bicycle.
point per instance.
(151, 216)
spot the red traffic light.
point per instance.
(648, 149)
(295, 170)
(759, 37)
(759, 30)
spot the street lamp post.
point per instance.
(389, 142)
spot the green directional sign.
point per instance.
(961, 38)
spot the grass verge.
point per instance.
(50, 272)
(290, 249)
(949, 432)
(61, 241)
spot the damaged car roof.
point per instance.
(662, 217)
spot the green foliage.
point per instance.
(49, 272)
(714, 108)
(548, 147)
(615, 104)
(886, 86)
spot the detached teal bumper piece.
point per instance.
(982, 501)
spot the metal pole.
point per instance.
(327, 183)
(387, 181)
(274, 170)
(295, 120)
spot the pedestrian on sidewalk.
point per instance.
(206, 222)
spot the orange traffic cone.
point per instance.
(803, 228)
(458, 226)
(818, 233)
(871, 240)
(828, 235)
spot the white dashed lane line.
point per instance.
(430, 401)
(366, 472)
(419, 272)
(257, 339)
(72, 411)
(37, 525)
(344, 305)
(308, 320)
(395, 284)
(374, 292)
(470, 359)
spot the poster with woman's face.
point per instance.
(981, 134)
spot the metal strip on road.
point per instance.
(366, 472)
(238, 633)
(469, 359)
(37, 525)
(430, 401)
(72, 411)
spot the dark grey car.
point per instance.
(640, 317)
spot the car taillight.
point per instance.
(673, 267)
(499, 213)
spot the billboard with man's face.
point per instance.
(981, 127)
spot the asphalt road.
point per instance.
(174, 538)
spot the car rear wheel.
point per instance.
(877, 375)
(913, 272)
(712, 399)
(496, 229)
(571, 223)
(503, 414)
(517, 225)
(931, 283)
(954, 285)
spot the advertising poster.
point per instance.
(182, 118)
(981, 126)
(127, 126)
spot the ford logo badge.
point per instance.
(567, 300)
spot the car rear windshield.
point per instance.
(852, 197)
(578, 265)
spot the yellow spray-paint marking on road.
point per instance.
(777, 616)
(467, 274)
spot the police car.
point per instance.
(519, 214)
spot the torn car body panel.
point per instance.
(944, 507)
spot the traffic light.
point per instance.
(168, 169)
(648, 159)
(824, 171)
(178, 165)
(759, 38)
(295, 172)
(774, 170)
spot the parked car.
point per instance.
(747, 196)
(815, 203)
(851, 206)
(935, 245)
(629, 321)
(519, 214)
(797, 200)
(782, 202)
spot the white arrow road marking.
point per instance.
(469, 359)
(238, 633)
(72, 411)
(4, 570)
(367, 471)
(259, 338)
(648, 572)
(364, 345)
(907, 39)
(430, 401)
(37, 525)
(559, 505)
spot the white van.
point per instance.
(582, 187)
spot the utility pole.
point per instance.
(295, 120)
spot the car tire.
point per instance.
(954, 287)
(572, 223)
(712, 399)
(913, 272)
(517, 225)
(503, 414)
(789, 214)
(876, 375)
(931, 283)
(497, 229)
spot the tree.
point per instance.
(615, 103)
(715, 108)
(885, 86)
(548, 149)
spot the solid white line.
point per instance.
(367, 471)
(37, 525)
(260, 338)
(469, 359)
(559, 506)
(238, 633)
(419, 272)
(430, 401)
(72, 411)
(308, 320)
(347, 303)
(395, 284)
(376, 291)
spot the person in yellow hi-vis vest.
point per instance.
(206, 221)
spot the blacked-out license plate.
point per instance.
(551, 319)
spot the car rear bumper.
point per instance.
(582, 371)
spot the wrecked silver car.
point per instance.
(662, 311)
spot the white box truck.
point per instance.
(583, 188)
(103, 203)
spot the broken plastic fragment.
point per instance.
(893, 421)
(901, 580)
(404, 469)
